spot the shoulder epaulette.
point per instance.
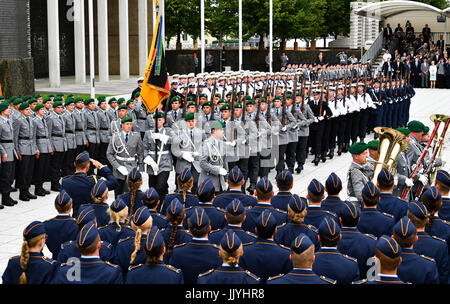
(112, 265)
(324, 278)
(331, 213)
(179, 245)
(125, 239)
(103, 227)
(48, 260)
(284, 247)
(188, 208)
(276, 277)
(444, 221)
(215, 230)
(173, 268)
(15, 257)
(387, 214)
(281, 211)
(427, 258)
(106, 244)
(63, 245)
(370, 235)
(350, 258)
(251, 234)
(219, 209)
(135, 266)
(252, 275)
(281, 226)
(438, 238)
(363, 281)
(313, 228)
(206, 273)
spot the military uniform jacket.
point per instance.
(390, 204)
(112, 113)
(376, 223)
(124, 249)
(212, 158)
(69, 250)
(112, 233)
(60, 229)
(191, 200)
(92, 271)
(331, 263)
(42, 135)
(182, 236)
(104, 126)
(80, 127)
(159, 220)
(227, 274)
(290, 123)
(57, 132)
(304, 119)
(417, 269)
(222, 200)
(287, 232)
(404, 171)
(300, 276)
(70, 124)
(92, 126)
(159, 273)
(385, 279)
(315, 215)
(444, 212)
(164, 158)
(174, 116)
(332, 204)
(40, 270)
(140, 113)
(128, 154)
(7, 139)
(187, 140)
(357, 178)
(234, 131)
(265, 132)
(252, 214)
(246, 237)
(216, 216)
(281, 200)
(24, 140)
(299, 117)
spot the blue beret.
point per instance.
(370, 190)
(134, 175)
(329, 227)
(432, 194)
(205, 187)
(62, 198)
(141, 216)
(34, 229)
(443, 177)
(230, 242)
(175, 207)
(349, 211)
(285, 177)
(404, 227)
(154, 240)
(82, 157)
(315, 187)
(151, 195)
(185, 175)
(235, 175)
(85, 214)
(264, 185)
(118, 205)
(235, 207)
(99, 188)
(297, 203)
(388, 246)
(199, 218)
(418, 209)
(333, 182)
(87, 235)
(266, 220)
(301, 243)
(385, 177)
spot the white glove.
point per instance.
(423, 179)
(156, 135)
(374, 106)
(284, 128)
(222, 171)
(243, 142)
(149, 160)
(315, 119)
(409, 182)
(233, 143)
(187, 156)
(195, 153)
(123, 170)
(164, 138)
(320, 118)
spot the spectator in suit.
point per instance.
(397, 66)
(415, 72)
(441, 43)
(426, 32)
(441, 74)
(406, 68)
(447, 74)
(425, 73)
(398, 29)
(387, 68)
(387, 34)
(409, 28)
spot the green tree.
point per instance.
(182, 16)
(221, 17)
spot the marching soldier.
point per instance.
(104, 131)
(80, 125)
(70, 128)
(112, 109)
(8, 153)
(92, 127)
(140, 112)
(44, 147)
(306, 118)
(286, 122)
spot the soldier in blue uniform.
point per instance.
(151, 201)
(415, 269)
(373, 221)
(235, 215)
(61, 228)
(287, 232)
(99, 195)
(154, 271)
(333, 186)
(388, 253)
(230, 250)
(185, 183)
(79, 185)
(198, 255)
(133, 198)
(329, 261)
(264, 192)
(265, 258)
(285, 182)
(442, 184)
(426, 244)
(389, 203)
(31, 266)
(117, 229)
(316, 213)
(92, 270)
(235, 181)
(302, 256)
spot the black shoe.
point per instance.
(251, 189)
(7, 201)
(299, 169)
(291, 170)
(331, 154)
(323, 157)
(46, 191)
(316, 160)
(14, 189)
(345, 148)
(1, 206)
(23, 196)
(55, 187)
(31, 196)
(40, 192)
(339, 151)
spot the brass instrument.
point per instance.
(442, 131)
(391, 144)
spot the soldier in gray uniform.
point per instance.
(92, 127)
(125, 152)
(404, 169)
(80, 125)
(44, 147)
(254, 148)
(267, 127)
(104, 132)
(305, 118)
(112, 109)
(25, 146)
(57, 132)
(70, 124)
(140, 112)
(292, 133)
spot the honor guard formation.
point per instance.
(222, 134)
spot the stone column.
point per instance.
(102, 30)
(143, 35)
(80, 44)
(124, 44)
(54, 73)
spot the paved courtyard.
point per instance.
(14, 219)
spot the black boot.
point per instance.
(299, 169)
(251, 188)
(23, 196)
(331, 154)
(31, 196)
(291, 170)
(7, 200)
(39, 192)
(339, 151)
(316, 159)
(323, 157)
(345, 148)
(55, 187)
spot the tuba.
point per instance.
(442, 122)
(391, 144)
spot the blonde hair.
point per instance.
(137, 238)
(185, 187)
(25, 255)
(134, 187)
(118, 217)
(296, 217)
(231, 258)
(100, 198)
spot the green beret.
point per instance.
(3, 106)
(26, 97)
(373, 144)
(216, 124)
(23, 106)
(277, 98)
(2, 97)
(217, 95)
(298, 94)
(192, 103)
(358, 148)
(225, 107)
(123, 107)
(228, 94)
(263, 100)
(250, 101)
(57, 104)
(17, 101)
(37, 96)
(404, 131)
(426, 129)
(415, 126)
(206, 104)
(69, 101)
(38, 106)
(257, 96)
(189, 116)
(100, 101)
(46, 99)
(77, 99)
(129, 101)
(32, 100)
(51, 95)
(126, 119)
(12, 98)
(57, 98)
(111, 100)
(159, 115)
(137, 94)
(190, 98)
(120, 100)
(222, 100)
(70, 95)
(88, 101)
(238, 106)
(288, 96)
(175, 98)
(241, 93)
(101, 97)
(202, 95)
(59, 95)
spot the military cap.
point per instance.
(226, 106)
(235, 207)
(13, 98)
(388, 246)
(443, 177)
(426, 129)
(301, 243)
(216, 124)
(297, 203)
(159, 114)
(333, 182)
(285, 177)
(373, 144)
(88, 101)
(140, 79)
(123, 107)
(418, 209)
(129, 101)
(329, 227)
(263, 100)
(235, 175)
(69, 101)
(82, 157)
(38, 106)
(126, 119)
(202, 95)
(26, 97)
(32, 100)
(99, 188)
(191, 85)
(46, 99)
(59, 95)
(199, 218)
(288, 96)
(217, 95)
(349, 211)
(385, 177)
(432, 194)
(17, 101)
(228, 94)
(57, 104)
(62, 199)
(100, 101)
(175, 207)
(87, 235)
(207, 104)
(415, 126)
(151, 195)
(34, 229)
(141, 216)
(205, 187)
(137, 94)
(230, 242)
(185, 175)
(154, 241)
(175, 98)
(85, 214)
(266, 221)
(404, 227)
(264, 185)
(404, 131)
(2, 97)
(358, 148)
(23, 106)
(189, 116)
(101, 97)
(117, 205)
(277, 98)
(192, 104)
(77, 99)
(120, 100)
(112, 99)
(316, 187)
(370, 190)
(134, 175)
